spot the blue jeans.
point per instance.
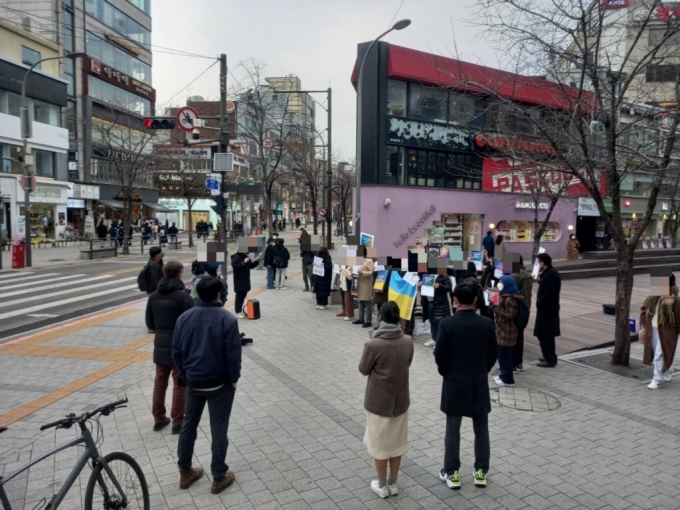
(219, 406)
(271, 273)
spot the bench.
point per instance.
(97, 253)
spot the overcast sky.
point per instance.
(315, 40)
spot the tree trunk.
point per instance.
(127, 207)
(624, 291)
(315, 218)
(191, 224)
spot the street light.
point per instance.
(26, 133)
(399, 25)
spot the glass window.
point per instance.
(395, 170)
(117, 96)
(396, 98)
(663, 35)
(142, 5)
(46, 113)
(68, 31)
(44, 163)
(466, 110)
(115, 57)
(30, 57)
(428, 104)
(10, 103)
(422, 168)
(412, 168)
(441, 173)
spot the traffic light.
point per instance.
(159, 122)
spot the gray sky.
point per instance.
(315, 40)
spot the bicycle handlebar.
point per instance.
(72, 418)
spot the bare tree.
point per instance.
(671, 191)
(344, 181)
(310, 170)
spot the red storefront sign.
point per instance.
(115, 77)
(515, 144)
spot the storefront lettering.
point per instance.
(414, 228)
(46, 192)
(531, 205)
(512, 144)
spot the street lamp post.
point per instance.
(399, 25)
(26, 133)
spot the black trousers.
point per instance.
(240, 298)
(518, 349)
(548, 348)
(480, 425)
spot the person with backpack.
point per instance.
(151, 274)
(505, 318)
(525, 284)
(198, 273)
(281, 258)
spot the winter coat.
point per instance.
(465, 353)
(525, 284)
(572, 249)
(322, 284)
(283, 256)
(499, 250)
(242, 272)
(113, 232)
(489, 243)
(102, 230)
(504, 317)
(307, 257)
(442, 301)
(668, 337)
(269, 256)
(162, 311)
(365, 290)
(386, 360)
(173, 231)
(154, 273)
(548, 304)
(194, 282)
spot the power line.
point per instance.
(188, 85)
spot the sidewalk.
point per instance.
(570, 437)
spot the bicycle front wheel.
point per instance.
(101, 492)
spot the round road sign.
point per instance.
(186, 117)
(231, 107)
(268, 143)
(322, 212)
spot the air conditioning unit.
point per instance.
(596, 127)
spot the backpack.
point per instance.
(522, 318)
(142, 279)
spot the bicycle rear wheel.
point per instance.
(101, 493)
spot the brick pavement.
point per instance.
(297, 423)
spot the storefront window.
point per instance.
(521, 231)
(11, 165)
(44, 163)
(117, 96)
(438, 169)
(42, 221)
(455, 233)
(108, 54)
(396, 98)
(142, 5)
(466, 110)
(46, 113)
(119, 21)
(429, 104)
(395, 166)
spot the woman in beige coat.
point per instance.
(365, 294)
(386, 360)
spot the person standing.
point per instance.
(547, 325)
(525, 284)
(572, 247)
(269, 263)
(206, 349)
(439, 307)
(499, 248)
(365, 294)
(307, 262)
(346, 291)
(113, 234)
(154, 269)
(297, 222)
(281, 258)
(172, 231)
(505, 314)
(465, 354)
(322, 284)
(101, 231)
(241, 265)
(488, 243)
(197, 274)
(659, 318)
(162, 311)
(386, 360)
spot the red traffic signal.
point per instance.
(159, 122)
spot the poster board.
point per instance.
(355, 285)
(427, 289)
(380, 280)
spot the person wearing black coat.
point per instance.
(154, 271)
(269, 263)
(162, 311)
(241, 264)
(172, 232)
(547, 325)
(281, 258)
(441, 307)
(465, 354)
(322, 284)
(101, 231)
(113, 235)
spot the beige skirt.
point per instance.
(386, 437)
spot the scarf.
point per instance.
(666, 316)
(385, 327)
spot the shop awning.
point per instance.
(113, 204)
(158, 207)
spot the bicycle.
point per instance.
(123, 490)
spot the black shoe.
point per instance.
(358, 321)
(176, 430)
(160, 426)
(545, 364)
(367, 325)
(541, 359)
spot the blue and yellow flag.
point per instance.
(402, 292)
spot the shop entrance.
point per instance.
(196, 216)
(586, 234)
(42, 221)
(453, 233)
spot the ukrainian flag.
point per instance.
(402, 292)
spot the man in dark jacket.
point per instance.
(525, 284)
(162, 311)
(281, 258)
(547, 325)
(307, 260)
(206, 349)
(465, 353)
(172, 232)
(154, 270)
(489, 244)
(269, 263)
(241, 264)
(211, 269)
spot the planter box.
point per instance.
(98, 253)
(175, 246)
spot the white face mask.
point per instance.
(499, 286)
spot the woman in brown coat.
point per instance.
(572, 248)
(365, 294)
(386, 360)
(659, 318)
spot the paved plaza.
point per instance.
(571, 437)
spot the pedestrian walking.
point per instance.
(241, 265)
(163, 235)
(113, 235)
(439, 306)
(281, 258)
(525, 284)
(489, 243)
(197, 274)
(505, 315)
(297, 222)
(659, 318)
(162, 311)
(365, 294)
(307, 257)
(386, 360)
(547, 325)
(269, 263)
(322, 284)
(206, 349)
(572, 247)
(465, 354)
(102, 229)
(120, 234)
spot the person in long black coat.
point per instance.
(322, 284)
(102, 231)
(547, 325)
(241, 264)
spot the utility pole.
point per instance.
(329, 194)
(224, 147)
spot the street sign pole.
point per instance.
(224, 147)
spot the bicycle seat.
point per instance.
(2, 429)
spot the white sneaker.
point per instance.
(667, 376)
(429, 343)
(499, 382)
(241, 315)
(654, 385)
(394, 489)
(284, 288)
(321, 307)
(383, 493)
(348, 318)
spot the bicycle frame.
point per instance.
(90, 452)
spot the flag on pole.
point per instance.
(403, 292)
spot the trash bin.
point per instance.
(18, 256)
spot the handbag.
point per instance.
(278, 261)
(642, 336)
